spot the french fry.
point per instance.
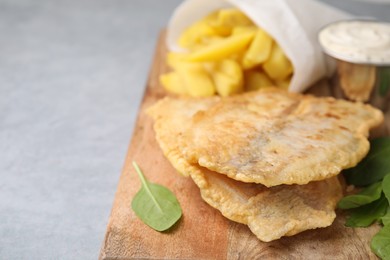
(222, 49)
(194, 35)
(175, 59)
(278, 66)
(258, 51)
(233, 17)
(244, 29)
(173, 83)
(210, 67)
(196, 80)
(284, 83)
(228, 78)
(255, 80)
(228, 19)
(227, 54)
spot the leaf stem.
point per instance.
(146, 185)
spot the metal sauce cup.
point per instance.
(361, 50)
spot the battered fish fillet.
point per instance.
(172, 117)
(274, 137)
(269, 212)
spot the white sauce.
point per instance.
(357, 41)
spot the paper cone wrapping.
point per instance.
(294, 24)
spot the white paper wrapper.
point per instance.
(294, 24)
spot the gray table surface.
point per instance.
(72, 74)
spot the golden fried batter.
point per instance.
(269, 212)
(172, 118)
(273, 137)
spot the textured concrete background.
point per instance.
(72, 74)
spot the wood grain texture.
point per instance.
(202, 232)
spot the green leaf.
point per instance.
(155, 205)
(367, 214)
(386, 218)
(386, 186)
(383, 82)
(374, 166)
(365, 196)
(380, 243)
(386, 190)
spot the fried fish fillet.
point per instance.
(269, 212)
(274, 137)
(172, 117)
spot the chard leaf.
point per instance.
(155, 205)
(367, 214)
(374, 166)
(380, 243)
(366, 196)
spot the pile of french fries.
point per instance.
(226, 54)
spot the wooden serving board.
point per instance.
(202, 232)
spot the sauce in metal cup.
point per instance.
(362, 51)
